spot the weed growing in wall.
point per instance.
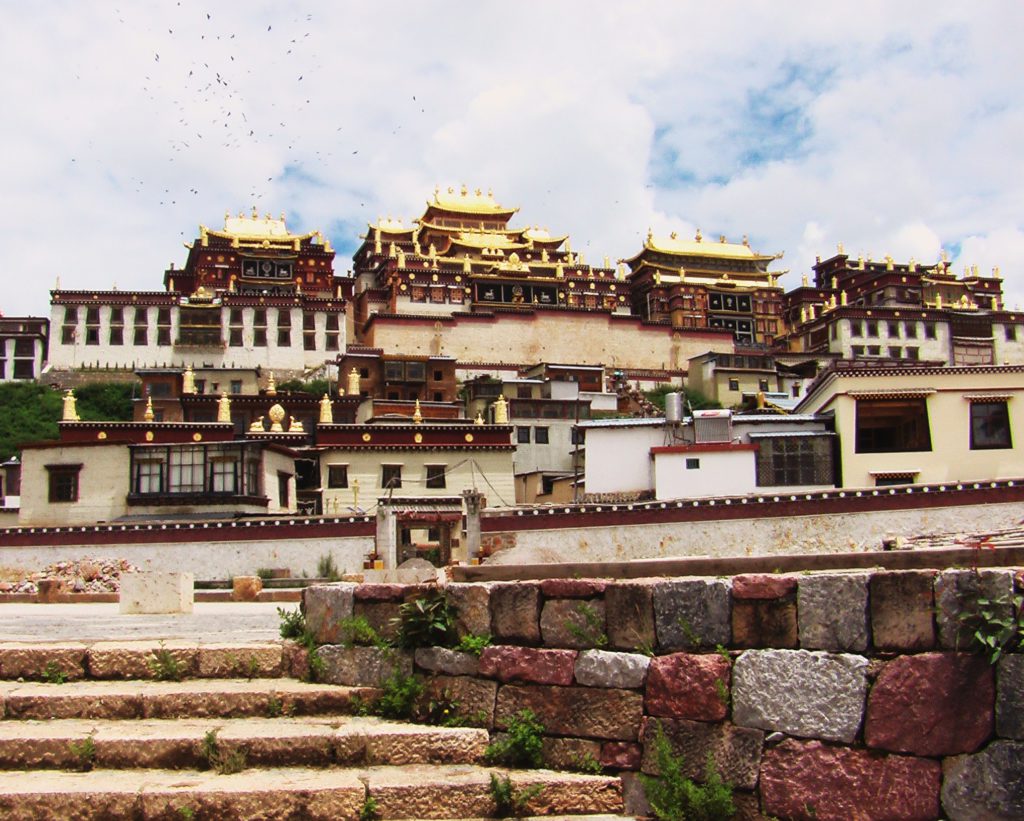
(522, 744)
(674, 797)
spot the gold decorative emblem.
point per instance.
(469, 437)
(197, 437)
(418, 438)
(101, 435)
(366, 437)
(149, 436)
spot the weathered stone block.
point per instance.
(933, 704)
(832, 610)
(573, 623)
(572, 588)
(764, 623)
(142, 659)
(324, 606)
(692, 613)
(240, 661)
(31, 661)
(986, 785)
(472, 608)
(382, 616)
(601, 668)
(683, 685)
(362, 666)
(621, 755)
(810, 694)
(575, 711)
(510, 663)
(902, 610)
(629, 613)
(153, 592)
(956, 594)
(1009, 697)
(246, 588)
(807, 779)
(515, 612)
(763, 586)
(383, 592)
(474, 697)
(570, 753)
(735, 751)
(449, 662)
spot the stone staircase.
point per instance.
(112, 742)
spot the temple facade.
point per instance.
(251, 295)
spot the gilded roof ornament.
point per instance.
(223, 408)
(500, 410)
(353, 382)
(188, 381)
(417, 415)
(995, 272)
(842, 298)
(839, 248)
(746, 240)
(699, 237)
(271, 385)
(803, 281)
(70, 409)
(257, 426)
(295, 425)
(148, 415)
(326, 411)
(276, 414)
(673, 235)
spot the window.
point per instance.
(224, 476)
(910, 330)
(148, 476)
(92, 335)
(284, 337)
(283, 496)
(857, 350)
(435, 476)
(390, 476)
(1010, 332)
(337, 476)
(63, 482)
(856, 327)
(929, 330)
(833, 331)
(893, 329)
(990, 425)
(912, 353)
(762, 384)
(874, 350)
(794, 460)
(163, 336)
(895, 351)
(692, 464)
(236, 386)
(523, 436)
(577, 436)
(235, 337)
(892, 425)
(116, 335)
(540, 436)
(734, 384)
(67, 335)
(186, 470)
(259, 337)
(438, 376)
(872, 327)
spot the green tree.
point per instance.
(695, 399)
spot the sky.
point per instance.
(893, 128)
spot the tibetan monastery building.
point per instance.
(251, 295)
(461, 282)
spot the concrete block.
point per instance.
(152, 592)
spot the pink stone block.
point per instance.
(763, 586)
(808, 779)
(685, 685)
(621, 755)
(572, 588)
(932, 704)
(507, 663)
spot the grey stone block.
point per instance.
(956, 592)
(515, 613)
(601, 668)
(472, 608)
(985, 785)
(832, 612)
(629, 611)
(1010, 697)
(362, 666)
(801, 693)
(735, 751)
(449, 662)
(573, 623)
(324, 606)
(691, 613)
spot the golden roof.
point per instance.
(699, 247)
(467, 202)
(542, 235)
(391, 226)
(474, 239)
(256, 229)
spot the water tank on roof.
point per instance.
(673, 407)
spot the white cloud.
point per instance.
(892, 128)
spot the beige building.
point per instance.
(917, 425)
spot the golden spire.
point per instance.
(500, 410)
(148, 415)
(803, 313)
(803, 281)
(401, 258)
(353, 382)
(188, 381)
(839, 248)
(479, 419)
(355, 493)
(223, 408)
(326, 412)
(559, 270)
(271, 386)
(417, 416)
(835, 283)
(467, 267)
(699, 236)
(70, 413)
(842, 298)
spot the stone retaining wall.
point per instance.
(819, 696)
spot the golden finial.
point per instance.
(835, 283)
(417, 415)
(188, 381)
(699, 236)
(295, 425)
(974, 270)
(227, 216)
(477, 192)
(817, 259)
(673, 235)
(148, 415)
(682, 272)
(401, 258)
(500, 410)
(650, 235)
(271, 386)
(479, 420)
(490, 193)
(70, 413)
(392, 250)
(276, 414)
(995, 272)
(257, 426)
(463, 190)
(620, 272)
(326, 411)
(839, 248)
(842, 297)
(282, 216)
(721, 239)
(544, 256)
(860, 261)
(353, 382)
(803, 281)
(938, 300)
(559, 270)
(355, 493)
(889, 265)
(223, 408)
(607, 262)
(746, 240)
(467, 266)
(437, 190)
(912, 265)
(945, 257)
(255, 213)
(760, 400)
(803, 313)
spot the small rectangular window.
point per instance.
(896, 352)
(163, 336)
(438, 376)
(1011, 332)
(284, 338)
(337, 476)
(235, 337)
(540, 436)
(762, 384)
(141, 336)
(259, 337)
(116, 335)
(391, 476)
(892, 426)
(872, 327)
(910, 330)
(283, 496)
(236, 386)
(692, 463)
(734, 384)
(929, 330)
(990, 426)
(63, 482)
(92, 335)
(893, 329)
(523, 436)
(436, 476)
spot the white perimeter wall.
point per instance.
(720, 473)
(618, 460)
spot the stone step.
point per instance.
(400, 792)
(198, 698)
(264, 742)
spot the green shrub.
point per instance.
(326, 568)
(674, 797)
(164, 666)
(474, 644)
(53, 673)
(508, 800)
(428, 621)
(217, 759)
(370, 810)
(995, 626)
(358, 630)
(398, 697)
(522, 745)
(84, 752)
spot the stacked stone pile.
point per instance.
(81, 576)
(828, 696)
